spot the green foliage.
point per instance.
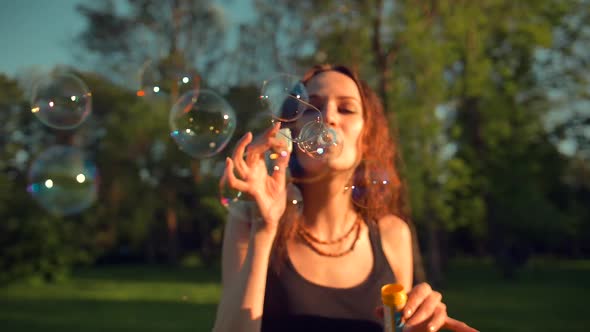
(467, 85)
(465, 89)
(34, 244)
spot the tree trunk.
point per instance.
(172, 226)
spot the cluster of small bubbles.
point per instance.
(61, 100)
(202, 123)
(63, 180)
(287, 100)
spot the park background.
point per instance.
(490, 99)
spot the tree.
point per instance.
(173, 35)
(34, 244)
(463, 80)
(171, 38)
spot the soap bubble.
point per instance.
(285, 97)
(151, 80)
(63, 181)
(61, 101)
(314, 137)
(161, 79)
(319, 141)
(373, 182)
(229, 196)
(294, 196)
(202, 123)
(240, 206)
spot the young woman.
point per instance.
(321, 267)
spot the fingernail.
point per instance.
(284, 153)
(408, 313)
(431, 328)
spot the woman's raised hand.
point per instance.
(247, 172)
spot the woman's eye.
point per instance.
(309, 112)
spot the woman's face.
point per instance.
(337, 97)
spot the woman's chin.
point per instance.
(327, 165)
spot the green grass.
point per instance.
(547, 296)
(115, 299)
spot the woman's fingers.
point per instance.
(231, 178)
(281, 164)
(438, 318)
(426, 309)
(262, 143)
(457, 326)
(415, 298)
(238, 155)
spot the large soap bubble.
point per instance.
(202, 123)
(63, 180)
(61, 100)
(319, 141)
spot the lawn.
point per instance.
(547, 296)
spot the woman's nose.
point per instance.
(330, 113)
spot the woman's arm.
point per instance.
(236, 237)
(249, 237)
(244, 271)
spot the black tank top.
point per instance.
(292, 303)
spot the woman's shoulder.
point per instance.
(396, 239)
(393, 229)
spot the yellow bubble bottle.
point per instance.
(394, 300)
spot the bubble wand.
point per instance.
(394, 299)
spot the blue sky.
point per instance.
(41, 32)
(37, 33)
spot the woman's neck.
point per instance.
(327, 208)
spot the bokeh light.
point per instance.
(163, 80)
(150, 80)
(202, 123)
(61, 100)
(63, 180)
